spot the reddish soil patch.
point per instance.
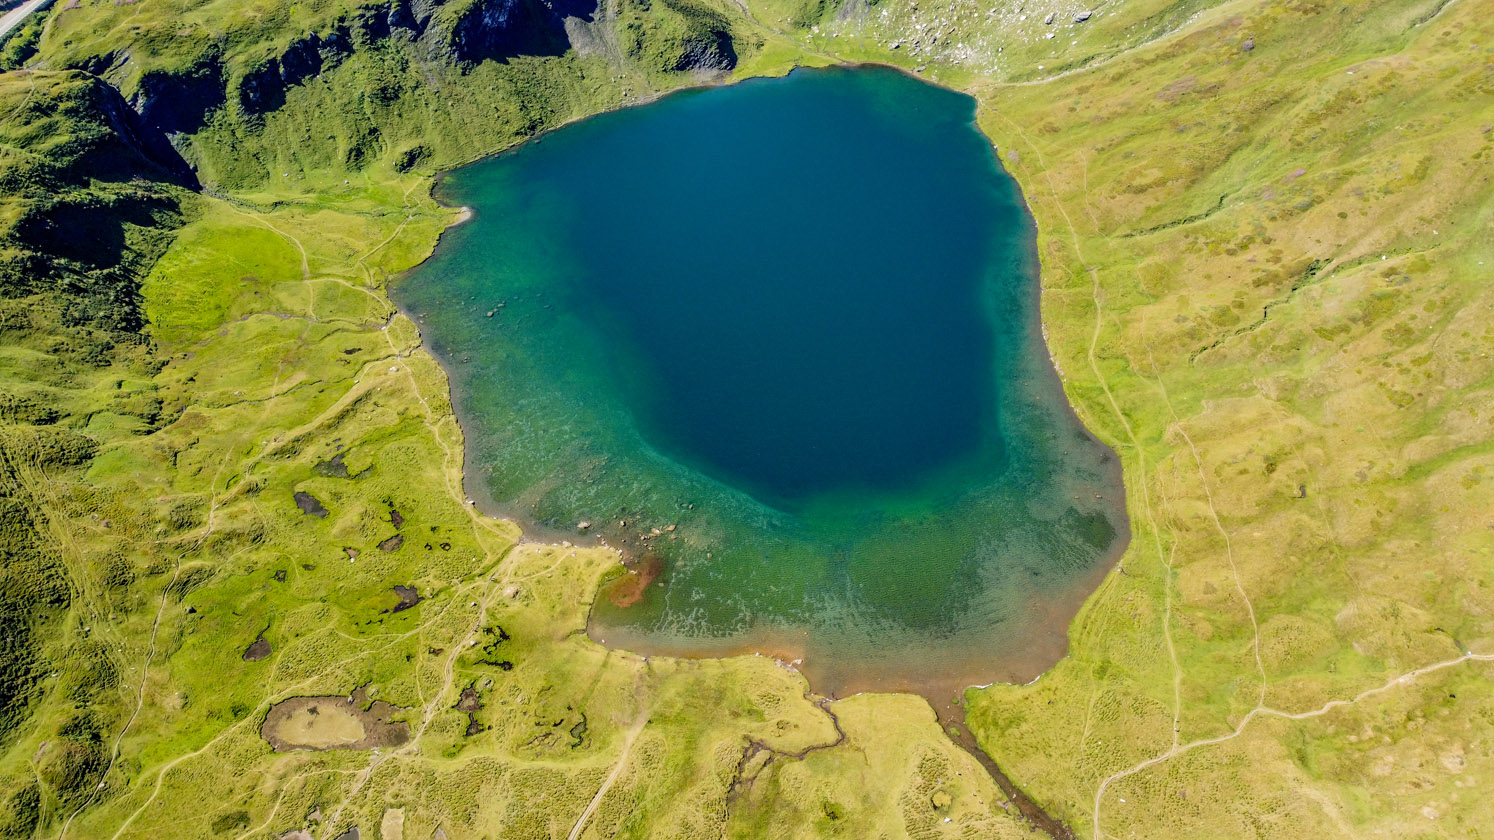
(628, 589)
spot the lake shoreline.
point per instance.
(944, 693)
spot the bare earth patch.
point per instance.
(333, 723)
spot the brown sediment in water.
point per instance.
(939, 670)
(1042, 645)
(629, 589)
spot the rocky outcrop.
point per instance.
(462, 32)
(394, 47)
(677, 35)
(263, 88)
(180, 102)
(90, 205)
(137, 135)
(503, 29)
(711, 50)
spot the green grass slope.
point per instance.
(158, 533)
(1266, 246)
(1264, 229)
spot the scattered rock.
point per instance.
(469, 701)
(259, 649)
(334, 468)
(1248, 45)
(1082, 17)
(408, 597)
(310, 505)
(1048, 21)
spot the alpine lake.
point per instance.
(779, 343)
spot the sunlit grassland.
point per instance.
(1264, 277)
(273, 367)
(1264, 282)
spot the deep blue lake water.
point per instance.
(791, 325)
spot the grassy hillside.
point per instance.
(160, 544)
(1264, 229)
(1266, 245)
(299, 95)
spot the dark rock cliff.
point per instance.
(179, 103)
(711, 49)
(93, 191)
(503, 29)
(263, 88)
(457, 33)
(677, 35)
(460, 33)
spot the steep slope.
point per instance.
(90, 197)
(251, 94)
(1264, 229)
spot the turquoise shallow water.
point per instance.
(791, 325)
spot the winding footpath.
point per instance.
(1259, 710)
(617, 771)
